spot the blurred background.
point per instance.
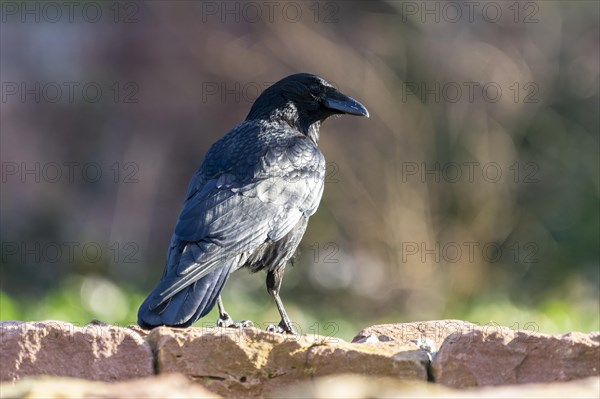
(471, 192)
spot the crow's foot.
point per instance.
(228, 322)
(282, 328)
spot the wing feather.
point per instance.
(235, 204)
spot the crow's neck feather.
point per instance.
(287, 113)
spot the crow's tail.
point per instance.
(188, 305)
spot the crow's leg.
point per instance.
(274, 278)
(226, 321)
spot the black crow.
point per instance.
(249, 203)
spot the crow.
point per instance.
(248, 204)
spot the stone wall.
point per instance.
(444, 355)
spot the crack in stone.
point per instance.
(209, 377)
(427, 346)
(307, 369)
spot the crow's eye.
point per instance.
(315, 89)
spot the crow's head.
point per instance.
(304, 101)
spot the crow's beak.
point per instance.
(345, 104)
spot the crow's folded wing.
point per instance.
(234, 211)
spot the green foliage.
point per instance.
(81, 299)
(78, 300)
